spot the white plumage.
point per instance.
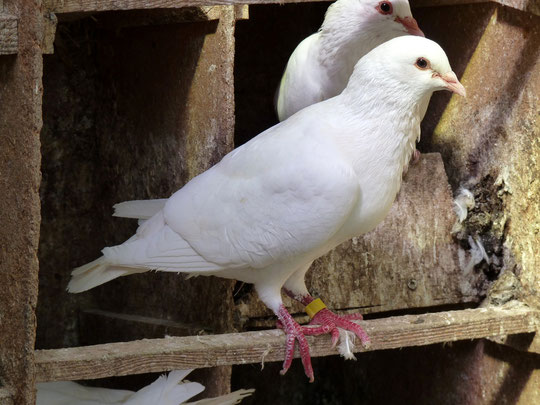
(272, 206)
(166, 390)
(320, 66)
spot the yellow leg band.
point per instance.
(314, 307)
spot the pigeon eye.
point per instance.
(422, 63)
(385, 7)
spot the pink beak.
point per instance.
(410, 25)
(453, 84)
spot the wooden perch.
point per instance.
(155, 355)
(9, 40)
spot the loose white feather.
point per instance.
(346, 344)
(463, 203)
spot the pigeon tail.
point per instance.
(139, 209)
(167, 390)
(96, 273)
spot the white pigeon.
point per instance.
(166, 390)
(294, 192)
(320, 66)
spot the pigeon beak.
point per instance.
(410, 25)
(453, 84)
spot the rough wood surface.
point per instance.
(6, 397)
(531, 6)
(253, 347)
(9, 39)
(490, 141)
(20, 125)
(77, 6)
(410, 260)
(50, 23)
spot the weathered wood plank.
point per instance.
(78, 6)
(6, 397)
(20, 174)
(9, 38)
(531, 6)
(156, 355)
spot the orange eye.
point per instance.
(385, 7)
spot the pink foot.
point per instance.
(294, 332)
(329, 322)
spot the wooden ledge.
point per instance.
(156, 355)
(9, 39)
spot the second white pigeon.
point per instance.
(320, 66)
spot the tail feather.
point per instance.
(96, 273)
(230, 399)
(167, 390)
(139, 209)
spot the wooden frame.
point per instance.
(88, 6)
(22, 30)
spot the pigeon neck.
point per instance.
(339, 52)
(396, 114)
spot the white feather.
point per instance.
(166, 390)
(462, 203)
(139, 209)
(346, 344)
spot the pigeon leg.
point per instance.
(270, 294)
(294, 332)
(327, 321)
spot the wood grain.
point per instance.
(9, 39)
(6, 397)
(77, 6)
(154, 355)
(531, 6)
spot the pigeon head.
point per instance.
(408, 68)
(380, 20)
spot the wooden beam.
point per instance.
(531, 6)
(84, 6)
(155, 355)
(9, 39)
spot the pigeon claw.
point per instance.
(294, 333)
(329, 322)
